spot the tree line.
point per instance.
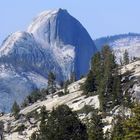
(64, 124)
(103, 79)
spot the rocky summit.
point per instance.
(54, 41)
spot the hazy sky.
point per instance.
(99, 17)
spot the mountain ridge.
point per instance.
(120, 43)
(55, 41)
(107, 39)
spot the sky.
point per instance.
(99, 17)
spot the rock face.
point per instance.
(55, 41)
(120, 43)
(68, 40)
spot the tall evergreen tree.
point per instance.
(89, 85)
(96, 68)
(95, 74)
(44, 117)
(102, 96)
(118, 130)
(104, 78)
(66, 83)
(125, 58)
(63, 124)
(95, 127)
(109, 64)
(15, 110)
(117, 96)
(132, 125)
(51, 83)
(106, 85)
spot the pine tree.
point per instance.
(118, 130)
(104, 79)
(51, 83)
(125, 58)
(106, 83)
(44, 117)
(60, 124)
(95, 74)
(101, 78)
(117, 96)
(95, 127)
(64, 124)
(96, 68)
(89, 85)
(132, 125)
(102, 96)
(108, 67)
(66, 83)
(15, 110)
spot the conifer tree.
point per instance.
(132, 125)
(95, 74)
(43, 129)
(64, 124)
(66, 83)
(51, 83)
(60, 124)
(96, 68)
(108, 67)
(106, 85)
(89, 85)
(117, 96)
(118, 130)
(15, 110)
(125, 58)
(102, 96)
(95, 127)
(104, 79)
